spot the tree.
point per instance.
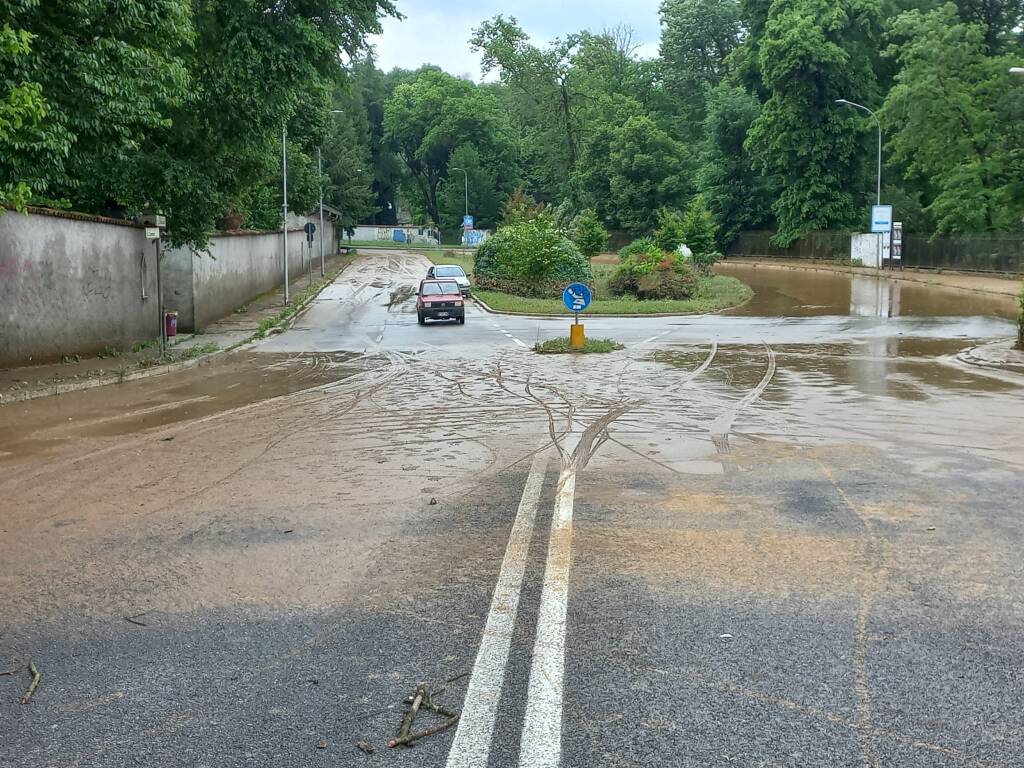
(108, 79)
(671, 231)
(956, 121)
(427, 119)
(22, 109)
(520, 207)
(631, 171)
(696, 40)
(544, 97)
(738, 196)
(814, 52)
(588, 234)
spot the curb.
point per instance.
(540, 316)
(971, 357)
(63, 388)
(909, 275)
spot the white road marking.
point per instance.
(472, 744)
(654, 338)
(541, 743)
(517, 341)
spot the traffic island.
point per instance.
(562, 345)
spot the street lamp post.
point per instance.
(320, 177)
(844, 102)
(284, 207)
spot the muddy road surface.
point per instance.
(788, 535)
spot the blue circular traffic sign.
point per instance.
(577, 297)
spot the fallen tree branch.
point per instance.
(414, 737)
(33, 685)
(410, 716)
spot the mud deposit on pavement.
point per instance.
(794, 538)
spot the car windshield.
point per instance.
(440, 289)
(449, 272)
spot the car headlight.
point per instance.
(458, 303)
(426, 303)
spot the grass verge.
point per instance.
(560, 346)
(716, 293)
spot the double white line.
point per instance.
(541, 743)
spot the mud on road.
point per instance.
(795, 551)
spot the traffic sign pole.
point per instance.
(577, 297)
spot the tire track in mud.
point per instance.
(877, 579)
(720, 428)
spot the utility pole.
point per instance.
(320, 178)
(284, 221)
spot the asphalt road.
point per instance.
(785, 536)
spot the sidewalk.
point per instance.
(184, 351)
(965, 281)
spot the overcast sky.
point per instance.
(437, 31)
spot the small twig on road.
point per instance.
(423, 698)
(410, 716)
(414, 737)
(132, 619)
(33, 685)
(8, 672)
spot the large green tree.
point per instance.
(22, 109)
(428, 119)
(956, 121)
(738, 195)
(696, 40)
(110, 73)
(812, 53)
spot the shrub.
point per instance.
(520, 207)
(648, 272)
(699, 233)
(588, 233)
(671, 232)
(530, 254)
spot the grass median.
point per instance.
(716, 293)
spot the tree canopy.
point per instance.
(181, 105)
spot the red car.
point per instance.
(440, 300)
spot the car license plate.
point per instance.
(442, 314)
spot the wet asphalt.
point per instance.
(799, 546)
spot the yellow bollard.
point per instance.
(576, 337)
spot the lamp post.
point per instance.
(320, 177)
(284, 207)
(844, 102)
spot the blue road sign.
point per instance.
(577, 297)
(467, 222)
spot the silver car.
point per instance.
(451, 272)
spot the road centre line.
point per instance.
(541, 742)
(472, 743)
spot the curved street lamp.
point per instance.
(846, 103)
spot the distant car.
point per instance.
(440, 300)
(453, 272)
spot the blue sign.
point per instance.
(881, 218)
(467, 222)
(577, 297)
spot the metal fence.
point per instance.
(970, 253)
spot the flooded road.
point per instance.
(787, 535)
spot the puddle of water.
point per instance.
(799, 293)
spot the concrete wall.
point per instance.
(385, 233)
(866, 247)
(204, 287)
(72, 285)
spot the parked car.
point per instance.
(440, 300)
(452, 272)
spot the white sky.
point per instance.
(437, 32)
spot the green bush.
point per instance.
(671, 232)
(699, 233)
(588, 233)
(530, 254)
(648, 272)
